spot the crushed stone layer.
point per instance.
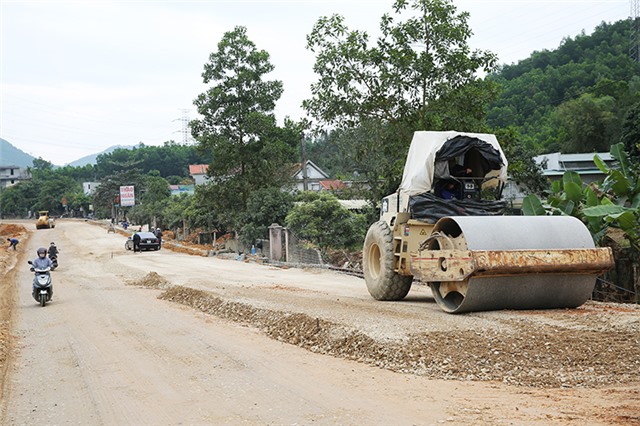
(544, 356)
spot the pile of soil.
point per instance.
(9, 257)
(187, 248)
(8, 230)
(8, 260)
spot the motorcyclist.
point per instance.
(53, 254)
(42, 262)
(53, 250)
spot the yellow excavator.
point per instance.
(445, 226)
(44, 220)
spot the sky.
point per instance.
(77, 77)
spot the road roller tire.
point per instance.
(382, 281)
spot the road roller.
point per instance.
(445, 225)
(44, 220)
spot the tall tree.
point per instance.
(589, 123)
(107, 193)
(153, 199)
(631, 134)
(414, 64)
(420, 74)
(238, 126)
(40, 164)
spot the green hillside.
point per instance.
(12, 156)
(574, 98)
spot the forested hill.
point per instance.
(574, 98)
(12, 156)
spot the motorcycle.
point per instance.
(54, 260)
(42, 290)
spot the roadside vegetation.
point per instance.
(369, 97)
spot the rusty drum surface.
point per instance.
(518, 262)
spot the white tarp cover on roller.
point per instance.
(420, 165)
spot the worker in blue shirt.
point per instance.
(13, 242)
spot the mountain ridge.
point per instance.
(92, 158)
(12, 156)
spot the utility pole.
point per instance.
(303, 156)
(634, 43)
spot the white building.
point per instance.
(309, 177)
(583, 164)
(88, 188)
(10, 175)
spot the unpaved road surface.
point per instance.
(167, 338)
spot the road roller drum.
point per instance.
(510, 262)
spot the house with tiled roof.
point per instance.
(308, 178)
(332, 185)
(182, 189)
(199, 173)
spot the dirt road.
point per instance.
(165, 338)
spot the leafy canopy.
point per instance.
(238, 100)
(238, 127)
(414, 63)
(571, 99)
(264, 208)
(630, 137)
(48, 189)
(420, 74)
(322, 220)
(171, 160)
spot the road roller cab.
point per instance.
(449, 173)
(445, 225)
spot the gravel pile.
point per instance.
(151, 280)
(520, 353)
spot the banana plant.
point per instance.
(614, 202)
(619, 205)
(564, 198)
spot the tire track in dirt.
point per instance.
(542, 356)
